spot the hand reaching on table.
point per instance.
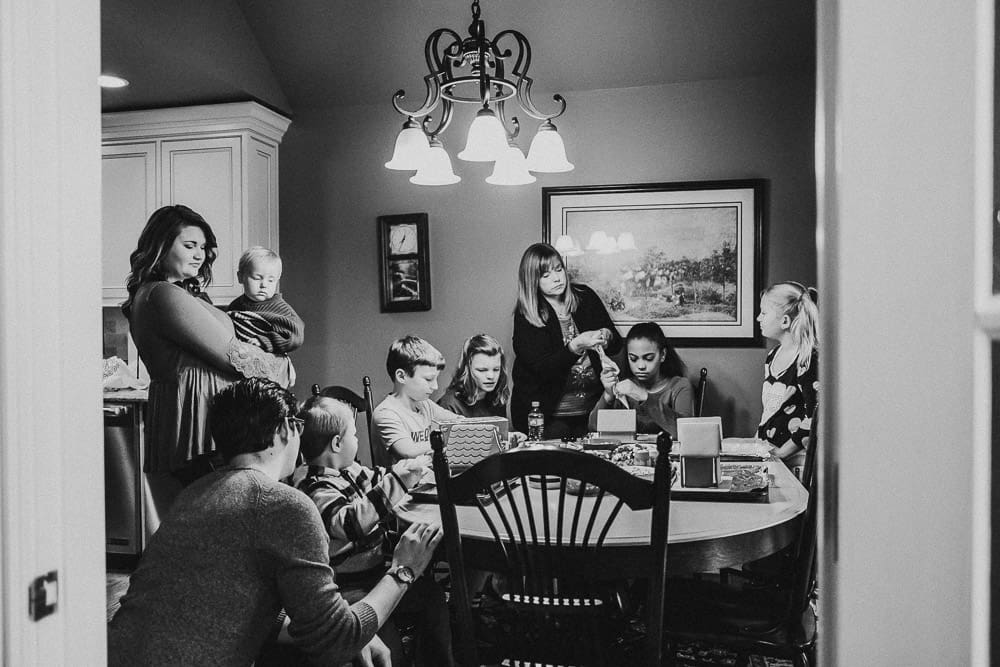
(410, 471)
(416, 546)
(516, 439)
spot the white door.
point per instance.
(51, 450)
(900, 153)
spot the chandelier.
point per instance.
(472, 71)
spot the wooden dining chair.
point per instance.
(699, 393)
(768, 612)
(364, 403)
(777, 569)
(549, 511)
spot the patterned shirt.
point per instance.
(271, 324)
(789, 397)
(582, 384)
(353, 504)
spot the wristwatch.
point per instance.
(403, 574)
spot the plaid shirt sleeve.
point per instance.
(353, 508)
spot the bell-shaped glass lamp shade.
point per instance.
(411, 148)
(487, 139)
(567, 247)
(564, 244)
(610, 246)
(510, 169)
(436, 169)
(626, 241)
(598, 241)
(548, 153)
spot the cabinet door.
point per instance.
(207, 176)
(128, 198)
(262, 193)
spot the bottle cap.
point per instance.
(535, 404)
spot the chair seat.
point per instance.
(547, 603)
(746, 615)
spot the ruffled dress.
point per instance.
(191, 353)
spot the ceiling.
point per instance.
(317, 53)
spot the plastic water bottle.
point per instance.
(536, 422)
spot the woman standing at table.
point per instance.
(188, 346)
(558, 328)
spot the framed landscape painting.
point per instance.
(686, 255)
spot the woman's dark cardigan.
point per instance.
(542, 361)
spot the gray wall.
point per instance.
(334, 185)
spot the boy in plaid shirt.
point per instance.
(354, 503)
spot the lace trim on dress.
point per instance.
(251, 361)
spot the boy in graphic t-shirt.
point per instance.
(403, 421)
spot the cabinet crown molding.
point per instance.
(230, 117)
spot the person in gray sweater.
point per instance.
(239, 550)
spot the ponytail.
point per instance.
(798, 302)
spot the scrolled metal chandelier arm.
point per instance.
(446, 112)
(439, 66)
(515, 125)
(523, 81)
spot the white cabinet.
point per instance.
(220, 160)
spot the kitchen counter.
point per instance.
(127, 395)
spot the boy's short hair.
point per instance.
(408, 352)
(324, 419)
(253, 254)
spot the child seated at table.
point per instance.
(654, 385)
(354, 503)
(403, 421)
(479, 387)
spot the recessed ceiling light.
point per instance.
(111, 81)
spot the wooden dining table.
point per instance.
(703, 536)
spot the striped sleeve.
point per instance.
(273, 323)
(351, 519)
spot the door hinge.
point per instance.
(43, 595)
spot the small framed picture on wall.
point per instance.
(404, 263)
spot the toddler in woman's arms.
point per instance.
(261, 317)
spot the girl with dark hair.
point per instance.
(558, 327)
(655, 385)
(188, 346)
(479, 386)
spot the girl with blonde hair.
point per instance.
(788, 315)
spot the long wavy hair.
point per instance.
(464, 385)
(671, 366)
(537, 260)
(157, 236)
(799, 303)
